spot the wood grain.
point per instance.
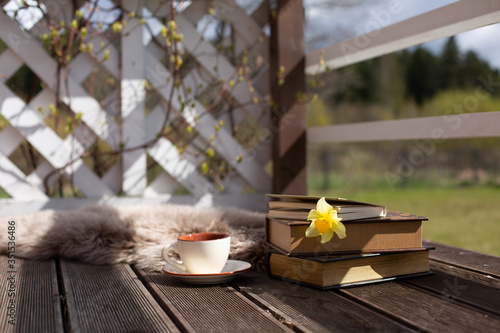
(36, 301)
(475, 289)
(471, 260)
(428, 312)
(110, 299)
(209, 308)
(311, 310)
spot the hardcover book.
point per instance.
(393, 232)
(342, 271)
(297, 207)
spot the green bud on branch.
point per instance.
(210, 152)
(204, 168)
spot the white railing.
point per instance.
(445, 21)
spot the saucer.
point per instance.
(229, 272)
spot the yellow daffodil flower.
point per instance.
(325, 222)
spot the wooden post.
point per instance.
(288, 119)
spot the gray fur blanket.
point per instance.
(133, 235)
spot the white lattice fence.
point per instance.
(131, 60)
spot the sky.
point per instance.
(330, 21)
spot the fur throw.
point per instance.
(133, 235)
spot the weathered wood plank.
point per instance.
(209, 308)
(36, 306)
(471, 260)
(428, 312)
(310, 310)
(110, 299)
(436, 129)
(475, 289)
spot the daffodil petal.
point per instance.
(313, 215)
(323, 207)
(339, 229)
(326, 236)
(311, 231)
(334, 216)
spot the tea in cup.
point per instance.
(200, 253)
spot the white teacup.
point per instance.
(200, 253)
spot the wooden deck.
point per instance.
(60, 296)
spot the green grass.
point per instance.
(467, 217)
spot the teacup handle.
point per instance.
(164, 254)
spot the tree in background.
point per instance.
(422, 76)
(474, 67)
(450, 66)
(411, 83)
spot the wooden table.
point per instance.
(62, 296)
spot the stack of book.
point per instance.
(380, 245)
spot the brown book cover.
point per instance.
(395, 231)
(342, 271)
